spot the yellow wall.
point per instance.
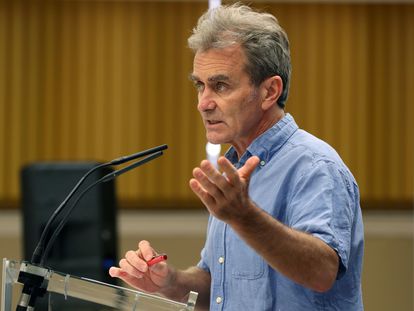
(99, 79)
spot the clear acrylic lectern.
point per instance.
(108, 296)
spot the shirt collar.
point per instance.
(267, 144)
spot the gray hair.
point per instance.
(263, 40)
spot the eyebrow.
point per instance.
(192, 77)
(215, 78)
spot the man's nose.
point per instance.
(206, 101)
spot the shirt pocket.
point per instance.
(243, 261)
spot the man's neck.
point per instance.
(267, 123)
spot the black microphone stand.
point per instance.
(33, 275)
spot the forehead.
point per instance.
(228, 61)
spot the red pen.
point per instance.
(156, 259)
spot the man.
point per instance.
(285, 229)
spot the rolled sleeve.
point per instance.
(202, 264)
(322, 206)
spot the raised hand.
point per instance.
(224, 194)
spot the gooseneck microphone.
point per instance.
(33, 275)
(38, 252)
(105, 178)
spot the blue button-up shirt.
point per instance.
(302, 182)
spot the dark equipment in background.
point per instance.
(87, 245)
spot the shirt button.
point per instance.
(262, 163)
(219, 299)
(221, 260)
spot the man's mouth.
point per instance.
(212, 122)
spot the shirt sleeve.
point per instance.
(204, 255)
(202, 264)
(322, 205)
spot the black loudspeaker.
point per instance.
(87, 245)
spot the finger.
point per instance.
(214, 175)
(230, 172)
(129, 269)
(202, 194)
(124, 276)
(136, 261)
(147, 252)
(249, 167)
(210, 187)
(115, 272)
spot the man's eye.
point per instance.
(220, 86)
(199, 86)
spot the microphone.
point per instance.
(137, 155)
(105, 178)
(37, 254)
(33, 276)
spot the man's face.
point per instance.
(229, 104)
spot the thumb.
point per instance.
(247, 169)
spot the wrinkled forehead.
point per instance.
(219, 62)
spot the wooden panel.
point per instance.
(4, 30)
(351, 87)
(96, 80)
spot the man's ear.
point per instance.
(271, 89)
